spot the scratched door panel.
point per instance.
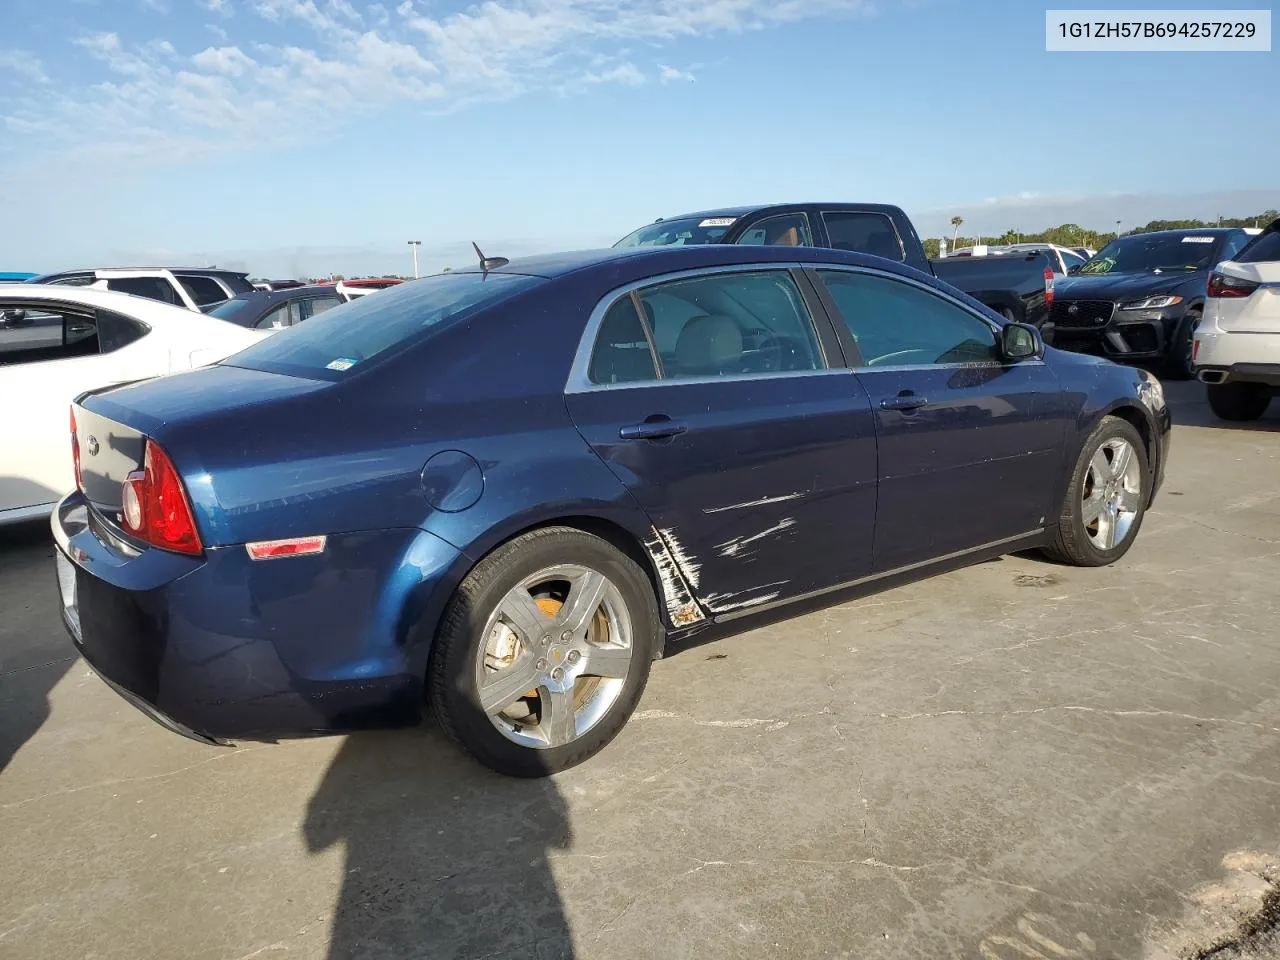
(768, 493)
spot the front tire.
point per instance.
(1106, 497)
(1238, 401)
(1178, 364)
(543, 652)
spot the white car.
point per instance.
(55, 343)
(1237, 345)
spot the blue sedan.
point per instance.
(498, 492)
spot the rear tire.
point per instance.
(1106, 498)
(516, 620)
(1238, 401)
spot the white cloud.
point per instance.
(155, 103)
(625, 73)
(24, 64)
(155, 6)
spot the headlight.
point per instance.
(1150, 391)
(1152, 303)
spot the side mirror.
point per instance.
(1020, 341)
(1073, 269)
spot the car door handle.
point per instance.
(653, 429)
(904, 402)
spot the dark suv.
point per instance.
(1140, 297)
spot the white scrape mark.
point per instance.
(742, 724)
(734, 547)
(683, 561)
(754, 503)
(676, 594)
(724, 602)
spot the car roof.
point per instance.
(150, 311)
(197, 270)
(639, 262)
(742, 211)
(288, 293)
(1199, 231)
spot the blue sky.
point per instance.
(309, 136)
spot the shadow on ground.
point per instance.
(443, 858)
(33, 658)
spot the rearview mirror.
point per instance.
(1020, 341)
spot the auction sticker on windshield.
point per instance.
(718, 222)
(1197, 239)
(342, 363)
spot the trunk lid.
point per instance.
(109, 452)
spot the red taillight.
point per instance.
(1195, 350)
(154, 504)
(75, 450)
(1230, 288)
(1048, 286)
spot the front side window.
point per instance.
(277, 319)
(33, 333)
(871, 233)
(203, 290)
(898, 324)
(784, 230)
(727, 324)
(1070, 260)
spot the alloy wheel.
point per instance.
(555, 656)
(1112, 493)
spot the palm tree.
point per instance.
(955, 229)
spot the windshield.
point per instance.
(690, 231)
(1157, 251)
(227, 308)
(349, 336)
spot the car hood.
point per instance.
(1127, 286)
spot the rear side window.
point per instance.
(871, 233)
(317, 306)
(116, 331)
(731, 324)
(153, 288)
(33, 333)
(203, 290)
(277, 319)
(329, 345)
(1265, 248)
(622, 353)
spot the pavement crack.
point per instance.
(1076, 708)
(36, 666)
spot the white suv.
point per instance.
(1237, 345)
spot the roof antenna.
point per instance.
(488, 263)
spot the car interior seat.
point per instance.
(708, 346)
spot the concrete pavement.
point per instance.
(1013, 760)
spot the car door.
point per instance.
(728, 414)
(970, 447)
(48, 355)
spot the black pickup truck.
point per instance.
(1017, 285)
(879, 229)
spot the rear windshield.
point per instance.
(351, 335)
(691, 231)
(1264, 248)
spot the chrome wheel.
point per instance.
(1112, 493)
(555, 656)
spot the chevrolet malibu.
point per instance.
(498, 492)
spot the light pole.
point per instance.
(414, 245)
(1117, 228)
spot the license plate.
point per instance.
(67, 587)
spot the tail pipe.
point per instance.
(1212, 376)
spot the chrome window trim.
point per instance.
(579, 380)
(994, 327)
(883, 574)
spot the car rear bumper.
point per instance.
(1223, 356)
(222, 647)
